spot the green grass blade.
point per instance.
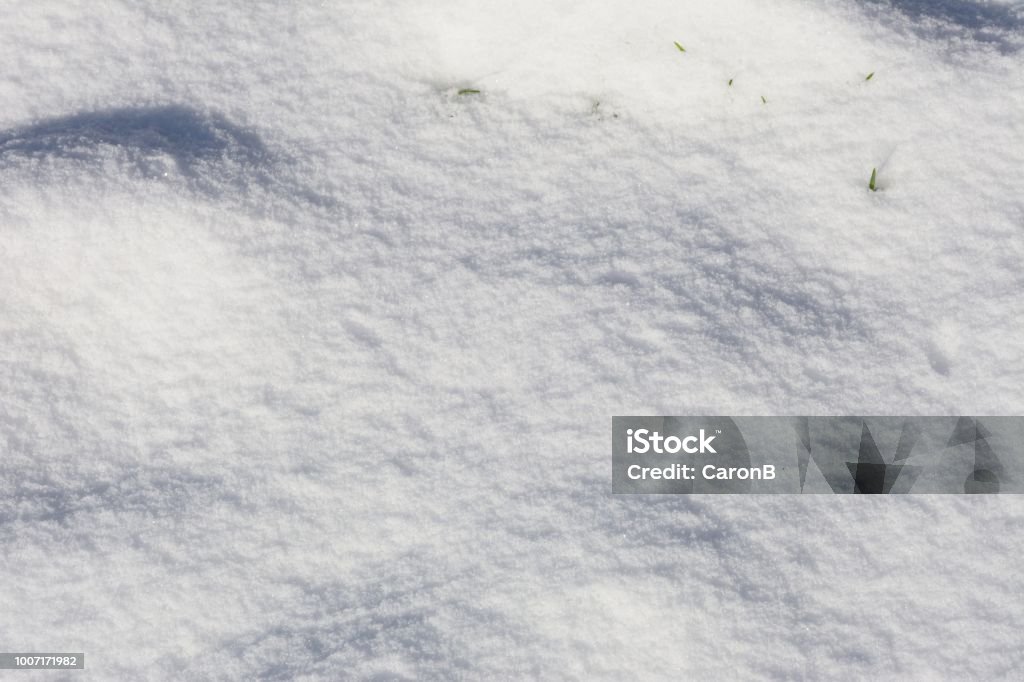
(679, 47)
(874, 176)
(469, 91)
(870, 76)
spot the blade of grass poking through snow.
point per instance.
(680, 47)
(870, 76)
(730, 82)
(469, 91)
(763, 100)
(874, 175)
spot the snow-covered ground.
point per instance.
(307, 361)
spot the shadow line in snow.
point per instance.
(185, 135)
(996, 24)
(210, 154)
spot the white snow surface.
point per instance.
(307, 361)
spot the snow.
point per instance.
(307, 362)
